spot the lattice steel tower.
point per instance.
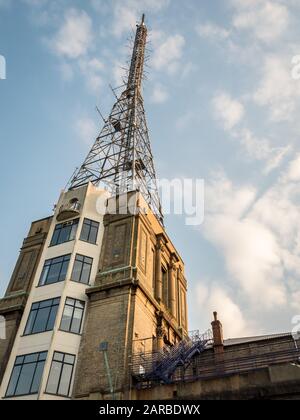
(121, 158)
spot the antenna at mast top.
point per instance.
(143, 18)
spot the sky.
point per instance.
(222, 98)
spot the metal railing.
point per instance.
(195, 359)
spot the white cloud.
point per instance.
(212, 31)
(74, 38)
(262, 149)
(252, 258)
(86, 130)
(168, 51)
(267, 20)
(251, 250)
(228, 110)
(258, 235)
(125, 18)
(92, 69)
(231, 112)
(293, 173)
(277, 90)
(217, 299)
(159, 94)
(222, 196)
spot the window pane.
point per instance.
(73, 231)
(44, 275)
(86, 271)
(85, 233)
(64, 270)
(13, 381)
(53, 273)
(76, 271)
(65, 234)
(79, 304)
(43, 355)
(52, 318)
(70, 301)
(45, 303)
(65, 380)
(25, 379)
(76, 323)
(37, 378)
(54, 377)
(31, 358)
(69, 358)
(59, 357)
(66, 319)
(41, 320)
(79, 258)
(30, 322)
(55, 237)
(88, 260)
(93, 235)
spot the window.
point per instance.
(64, 232)
(55, 270)
(42, 316)
(60, 375)
(164, 277)
(72, 316)
(26, 375)
(82, 269)
(89, 231)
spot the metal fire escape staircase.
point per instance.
(181, 355)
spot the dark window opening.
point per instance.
(64, 232)
(89, 231)
(72, 316)
(82, 269)
(55, 270)
(42, 316)
(60, 376)
(26, 375)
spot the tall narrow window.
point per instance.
(89, 231)
(42, 316)
(164, 277)
(72, 316)
(55, 270)
(26, 375)
(64, 232)
(82, 269)
(60, 376)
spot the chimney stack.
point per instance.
(217, 329)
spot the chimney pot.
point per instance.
(217, 333)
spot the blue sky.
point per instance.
(221, 104)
